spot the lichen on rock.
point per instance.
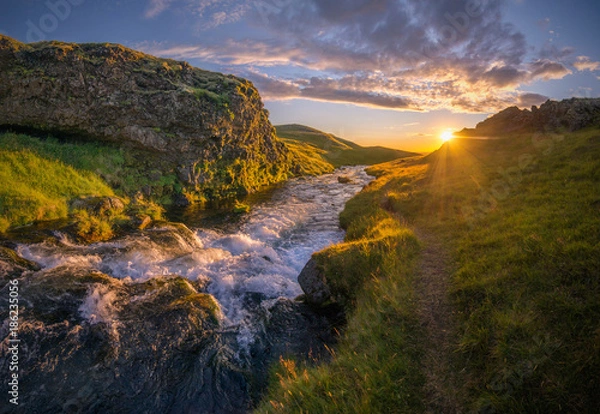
(207, 129)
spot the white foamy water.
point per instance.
(264, 255)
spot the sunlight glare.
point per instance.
(447, 135)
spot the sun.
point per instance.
(447, 135)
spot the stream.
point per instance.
(206, 308)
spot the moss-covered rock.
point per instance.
(96, 341)
(202, 133)
(12, 265)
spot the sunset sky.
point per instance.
(378, 72)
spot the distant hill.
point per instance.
(335, 150)
(567, 115)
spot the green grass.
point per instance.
(528, 286)
(39, 177)
(119, 168)
(34, 188)
(521, 217)
(82, 156)
(314, 137)
(337, 151)
(306, 159)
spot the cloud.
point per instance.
(156, 7)
(528, 99)
(551, 52)
(350, 90)
(548, 70)
(544, 23)
(207, 14)
(407, 55)
(275, 88)
(585, 63)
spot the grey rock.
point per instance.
(314, 284)
(570, 114)
(93, 343)
(344, 180)
(13, 266)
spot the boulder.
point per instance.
(155, 346)
(208, 130)
(12, 265)
(151, 346)
(314, 284)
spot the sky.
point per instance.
(378, 72)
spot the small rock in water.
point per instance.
(344, 180)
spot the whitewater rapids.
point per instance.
(264, 255)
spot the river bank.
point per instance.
(207, 310)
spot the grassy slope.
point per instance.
(37, 188)
(40, 176)
(123, 171)
(306, 159)
(520, 216)
(338, 151)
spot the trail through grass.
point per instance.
(436, 315)
(507, 320)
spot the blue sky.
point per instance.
(379, 72)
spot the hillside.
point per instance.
(206, 131)
(567, 115)
(338, 151)
(470, 278)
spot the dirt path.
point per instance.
(436, 315)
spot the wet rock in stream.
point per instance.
(107, 328)
(92, 343)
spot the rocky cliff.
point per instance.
(569, 114)
(208, 130)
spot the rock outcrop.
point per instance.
(207, 129)
(569, 114)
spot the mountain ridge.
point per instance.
(569, 114)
